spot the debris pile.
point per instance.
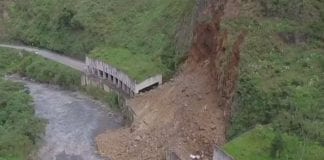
(189, 114)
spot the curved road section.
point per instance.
(75, 64)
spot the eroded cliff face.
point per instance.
(189, 114)
(211, 47)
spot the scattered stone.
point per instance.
(214, 127)
(138, 138)
(195, 157)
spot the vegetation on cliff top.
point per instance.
(255, 144)
(138, 66)
(143, 28)
(281, 82)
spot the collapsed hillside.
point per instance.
(189, 114)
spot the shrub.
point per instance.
(47, 71)
(277, 146)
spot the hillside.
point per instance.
(190, 113)
(254, 145)
(263, 100)
(141, 28)
(280, 86)
(281, 81)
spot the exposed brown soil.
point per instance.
(189, 114)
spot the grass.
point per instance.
(144, 28)
(19, 129)
(276, 76)
(137, 66)
(111, 98)
(38, 68)
(257, 143)
(280, 84)
(45, 71)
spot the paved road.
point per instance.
(73, 122)
(76, 64)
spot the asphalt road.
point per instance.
(76, 64)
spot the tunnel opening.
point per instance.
(107, 76)
(148, 88)
(101, 73)
(111, 78)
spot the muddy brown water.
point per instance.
(73, 122)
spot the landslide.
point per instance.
(190, 113)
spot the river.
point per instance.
(73, 122)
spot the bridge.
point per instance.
(97, 73)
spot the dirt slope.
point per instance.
(189, 114)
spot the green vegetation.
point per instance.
(144, 29)
(138, 66)
(281, 83)
(46, 71)
(40, 69)
(282, 71)
(111, 98)
(258, 143)
(19, 129)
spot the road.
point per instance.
(73, 122)
(76, 64)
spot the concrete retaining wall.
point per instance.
(148, 82)
(219, 154)
(171, 156)
(106, 85)
(127, 111)
(93, 81)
